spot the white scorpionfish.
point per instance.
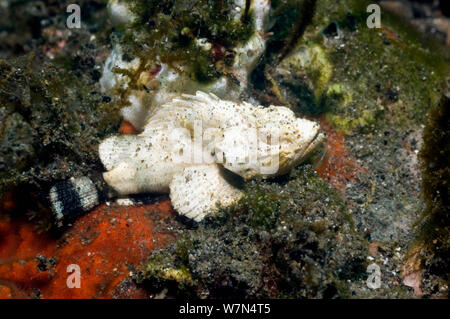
(193, 147)
(190, 145)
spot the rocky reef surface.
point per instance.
(370, 196)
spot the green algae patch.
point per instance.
(387, 76)
(264, 207)
(392, 78)
(435, 222)
(278, 241)
(308, 61)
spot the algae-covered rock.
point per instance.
(375, 86)
(287, 238)
(392, 74)
(31, 25)
(303, 77)
(435, 223)
(51, 123)
(187, 33)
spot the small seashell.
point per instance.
(71, 198)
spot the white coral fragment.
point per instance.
(170, 81)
